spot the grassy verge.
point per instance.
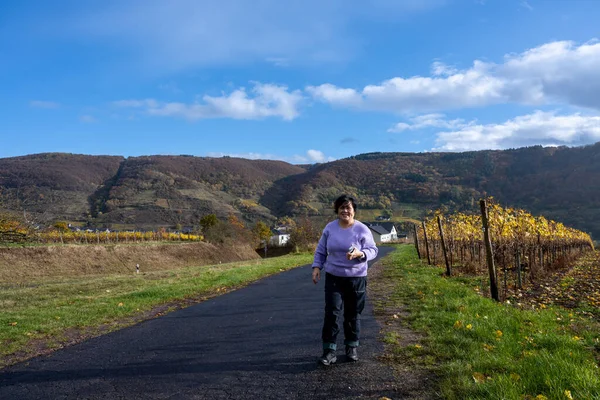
(480, 349)
(48, 314)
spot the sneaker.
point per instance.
(351, 353)
(328, 357)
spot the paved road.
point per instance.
(261, 341)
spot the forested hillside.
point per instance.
(560, 183)
(54, 185)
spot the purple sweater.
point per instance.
(334, 244)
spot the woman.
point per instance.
(343, 251)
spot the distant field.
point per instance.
(401, 213)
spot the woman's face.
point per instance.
(346, 212)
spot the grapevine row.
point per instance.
(100, 237)
(522, 244)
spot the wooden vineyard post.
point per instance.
(448, 269)
(426, 243)
(518, 261)
(488, 251)
(541, 252)
(417, 241)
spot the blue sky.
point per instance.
(300, 81)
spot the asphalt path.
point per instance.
(258, 342)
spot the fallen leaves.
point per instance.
(488, 347)
(568, 395)
(478, 377)
(569, 288)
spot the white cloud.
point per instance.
(266, 100)
(249, 156)
(545, 128)
(557, 72)
(88, 119)
(335, 95)
(311, 156)
(554, 73)
(316, 155)
(470, 88)
(438, 68)
(44, 104)
(428, 121)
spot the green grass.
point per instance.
(46, 311)
(401, 212)
(481, 349)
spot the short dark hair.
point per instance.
(342, 200)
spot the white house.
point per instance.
(389, 226)
(380, 234)
(383, 232)
(280, 237)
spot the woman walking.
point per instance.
(345, 247)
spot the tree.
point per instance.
(238, 230)
(262, 231)
(220, 232)
(304, 235)
(61, 226)
(208, 221)
(235, 222)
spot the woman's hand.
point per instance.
(316, 275)
(355, 253)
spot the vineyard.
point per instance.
(521, 248)
(17, 234)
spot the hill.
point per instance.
(54, 186)
(147, 192)
(159, 190)
(561, 183)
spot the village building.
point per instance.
(384, 232)
(280, 236)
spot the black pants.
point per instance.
(345, 293)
